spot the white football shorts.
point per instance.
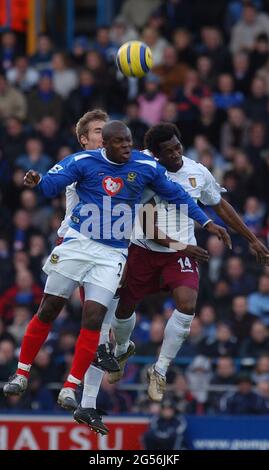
(87, 261)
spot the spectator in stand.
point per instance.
(137, 12)
(151, 348)
(204, 66)
(244, 401)
(7, 358)
(166, 431)
(44, 101)
(240, 282)
(209, 121)
(207, 317)
(213, 45)
(198, 375)
(263, 390)
(188, 98)
(42, 58)
(51, 135)
(156, 43)
(258, 143)
(182, 41)
(170, 113)
(121, 31)
(225, 373)
(103, 44)
(257, 343)
(21, 317)
(241, 71)
(256, 105)
(254, 215)
(234, 132)
(13, 139)
(12, 101)
(9, 50)
(171, 72)
(34, 158)
(86, 96)
(261, 370)
(259, 54)
(225, 344)
(241, 321)
(78, 51)
(22, 230)
(24, 292)
(22, 75)
(6, 271)
(137, 126)
(248, 27)
(227, 96)
(65, 78)
(152, 101)
(12, 192)
(258, 302)
(264, 74)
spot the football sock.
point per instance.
(92, 383)
(85, 350)
(176, 331)
(122, 329)
(106, 325)
(35, 335)
(93, 377)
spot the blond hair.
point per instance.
(82, 125)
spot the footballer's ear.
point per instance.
(83, 141)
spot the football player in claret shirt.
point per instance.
(94, 249)
(148, 261)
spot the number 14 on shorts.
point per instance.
(185, 265)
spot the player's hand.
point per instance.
(199, 254)
(221, 233)
(31, 178)
(260, 251)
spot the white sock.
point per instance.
(106, 325)
(122, 329)
(176, 331)
(92, 383)
(93, 377)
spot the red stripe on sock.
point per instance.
(86, 347)
(35, 335)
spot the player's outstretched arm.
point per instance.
(149, 222)
(227, 213)
(56, 179)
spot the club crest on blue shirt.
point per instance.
(111, 185)
(131, 176)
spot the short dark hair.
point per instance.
(159, 134)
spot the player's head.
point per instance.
(89, 129)
(117, 140)
(163, 140)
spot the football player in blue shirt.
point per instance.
(110, 182)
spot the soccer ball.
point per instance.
(134, 59)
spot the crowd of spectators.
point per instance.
(211, 78)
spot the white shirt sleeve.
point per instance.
(211, 192)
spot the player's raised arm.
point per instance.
(175, 194)
(227, 213)
(56, 179)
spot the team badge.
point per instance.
(54, 258)
(193, 182)
(131, 176)
(112, 186)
